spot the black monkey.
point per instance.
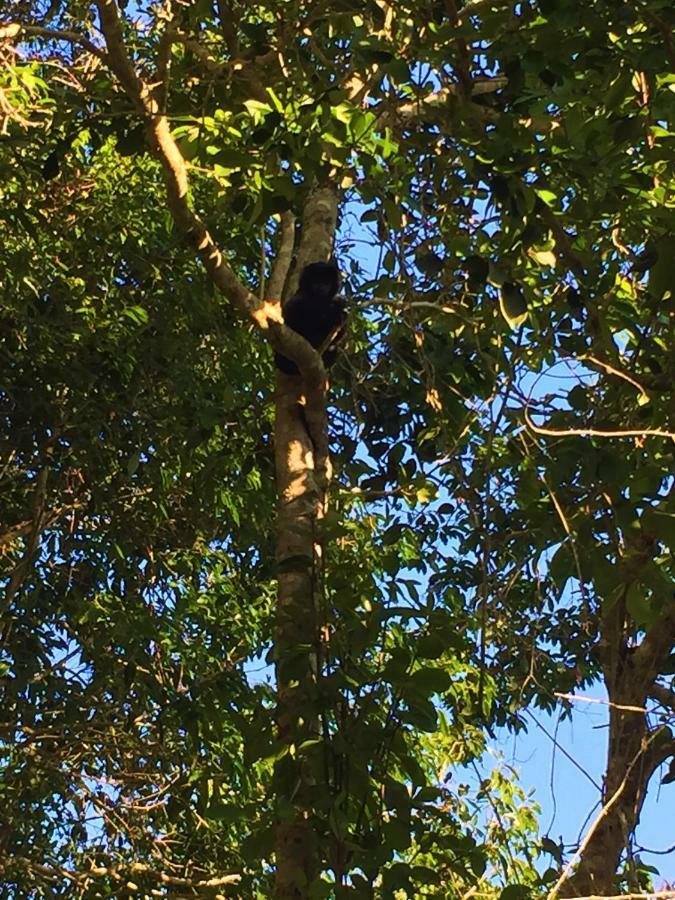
(316, 311)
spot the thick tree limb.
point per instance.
(319, 220)
(303, 473)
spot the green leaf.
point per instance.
(133, 463)
(661, 274)
(545, 258)
(422, 714)
(431, 680)
(578, 398)
(516, 892)
(547, 196)
(513, 305)
(137, 314)
(425, 875)
(257, 110)
(638, 604)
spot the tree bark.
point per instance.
(296, 639)
(303, 474)
(635, 750)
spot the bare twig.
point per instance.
(556, 743)
(595, 432)
(576, 698)
(612, 370)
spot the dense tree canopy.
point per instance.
(496, 183)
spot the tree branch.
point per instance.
(266, 314)
(70, 37)
(125, 874)
(463, 67)
(284, 256)
(175, 169)
(210, 64)
(437, 101)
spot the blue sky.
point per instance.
(569, 801)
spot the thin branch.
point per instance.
(563, 242)
(173, 163)
(228, 21)
(22, 568)
(577, 698)
(284, 256)
(565, 524)
(667, 35)
(463, 67)
(210, 64)
(612, 370)
(595, 432)
(164, 58)
(437, 101)
(665, 852)
(123, 874)
(556, 743)
(70, 37)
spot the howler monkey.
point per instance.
(316, 311)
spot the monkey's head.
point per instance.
(320, 279)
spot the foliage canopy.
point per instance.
(502, 516)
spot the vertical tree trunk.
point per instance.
(296, 638)
(302, 471)
(634, 750)
(303, 474)
(629, 768)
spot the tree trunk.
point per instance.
(297, 639)
(303, 474)
(630, 765)
(634, 750)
